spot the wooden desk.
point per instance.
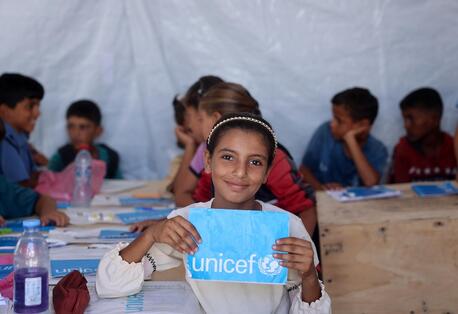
(396, 255)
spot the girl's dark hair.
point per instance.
(247, 122)
(228, 98)
(178, 111)
(198, 89)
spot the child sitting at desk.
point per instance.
(193, 140)
(17, 201)
(84, 127)
(426, 152)
(20, 98)
(240, 152)
(342, 152)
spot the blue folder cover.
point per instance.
(60, 268)
(237, 246)
(426, 190)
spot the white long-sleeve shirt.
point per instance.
(116, 278)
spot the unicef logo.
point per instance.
(269, 266)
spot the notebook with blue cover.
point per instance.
(429, 190)
(363, 193)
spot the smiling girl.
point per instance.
(240, 151)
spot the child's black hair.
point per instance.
(85, 109)
(425, 98)
(199, 88)
(358, 102)
(15, 87)
(178, 111)
(243, 121)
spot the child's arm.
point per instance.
(32, 181)
(185, 181)
(366, 172)
(310, 178)
(122, 271)
(177, 232)
(298, 255)
(46, 209)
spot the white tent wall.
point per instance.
(133, 56)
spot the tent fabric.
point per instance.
(132, 57)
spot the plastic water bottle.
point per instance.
(82, 188)
(31, 265)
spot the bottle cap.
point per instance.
(84, 146)
(31, 223)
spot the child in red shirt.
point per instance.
(426, 153)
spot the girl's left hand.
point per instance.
(296, 254)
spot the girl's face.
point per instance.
(239, 168)
(192, 124)
(207, 121)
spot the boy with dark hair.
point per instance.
(20, 98)
(425, 153)
(84, 121)
(17, 201)
(342, 152)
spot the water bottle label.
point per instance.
(32, 291)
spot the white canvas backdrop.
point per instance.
(133, 56)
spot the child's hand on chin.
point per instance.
(296, 254)
(177, 232)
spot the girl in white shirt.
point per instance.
(240, 150)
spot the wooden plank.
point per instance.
(396, 267)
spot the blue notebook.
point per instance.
(429, 190)
(117, 234)
(363, 193)
(60, 268)
(16, 226)
(141, 215)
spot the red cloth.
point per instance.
(409, 164)
(284, 184)
(59, 185)
(70, 295)
(6, 286)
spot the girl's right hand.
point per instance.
(183, 136)
(177, 232)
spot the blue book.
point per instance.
(237, 246)
(427, 190)
(8, 241)
(5, 270)
(117, 234)
(159, 203)
(60, 268)
(363, 193)
(138, 216)
(16, 226)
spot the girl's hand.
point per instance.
(143, 225)
(2, 221)
(183, 136)
(177, 232)
(299, 255)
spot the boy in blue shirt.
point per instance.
(20, 98)
(17, 201)
(84, 126)
(342, 152)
